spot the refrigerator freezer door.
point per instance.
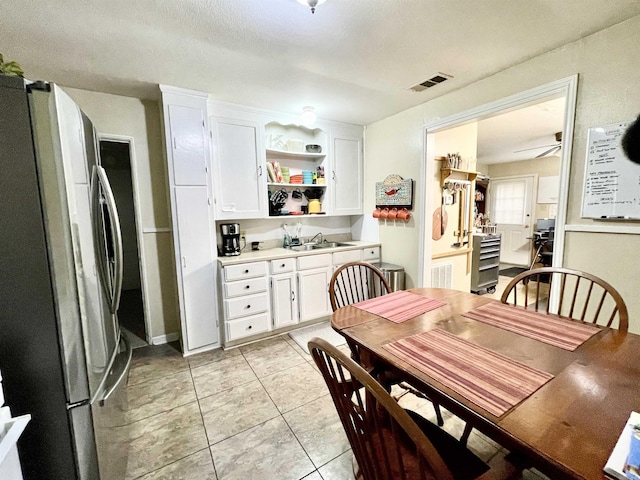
(109, 419)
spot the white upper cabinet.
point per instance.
(188, 144)
(347, 174)
(246, 145)
(238, 173)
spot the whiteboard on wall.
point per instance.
(611, 180)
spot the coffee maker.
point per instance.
(230, 239)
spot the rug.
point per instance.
(513, 271)
(322, 330)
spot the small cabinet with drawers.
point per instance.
(485, 262)
(246, 300)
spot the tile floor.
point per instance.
(261, 411)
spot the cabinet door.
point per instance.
(284, 300)
(196, 267)
(313, 287)
(346, 175)
(188, 145)
(238, 168)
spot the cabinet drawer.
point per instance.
(246, 287)
(345, 257)
(245, 327)
(371, 253)
(245, 270)
(284, 265)
(314, 261)
(247, 305)
(488, 277)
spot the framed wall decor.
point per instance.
(395, 191)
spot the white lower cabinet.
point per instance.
(263, 296)
(313, 286)
(196, 267)
(284, 300)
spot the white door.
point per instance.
(313, 286)
(346, 175)
(284, 300)
(511, 200)
(188, 144)
(197, 266)
(238, 168)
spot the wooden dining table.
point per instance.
(567, 428)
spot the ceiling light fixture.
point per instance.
(308, 115)
(312, 3)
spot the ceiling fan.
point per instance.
(554, 148)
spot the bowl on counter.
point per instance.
(313, 148)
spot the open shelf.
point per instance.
(297, 185)
(272, 153)
(456, 174)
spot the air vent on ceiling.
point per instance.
(431, 82)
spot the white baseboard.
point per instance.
(162, 339)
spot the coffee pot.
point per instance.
(230, 239)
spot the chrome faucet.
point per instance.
(316, 236)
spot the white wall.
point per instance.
(608, 92)
(140, 119)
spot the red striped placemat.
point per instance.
(490, 380)
(547, 328)
(399, 306)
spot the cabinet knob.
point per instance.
(249, 327)
(283, 265)
(248, 306)
(247, 287)
(246, 271)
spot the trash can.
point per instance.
(393, 273)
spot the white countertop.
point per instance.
(275, 253)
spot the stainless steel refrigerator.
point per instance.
(62, 356)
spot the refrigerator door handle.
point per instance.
(123, 372)
(116, 237)
(96, 216)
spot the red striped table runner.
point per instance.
(399, 306)
(547, 328)
(490, 380)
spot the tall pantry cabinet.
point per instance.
(190, 189)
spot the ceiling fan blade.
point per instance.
(536, 148)
(551, 151)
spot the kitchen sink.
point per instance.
(316, 246)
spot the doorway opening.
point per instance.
(550, 185)
(116, 158)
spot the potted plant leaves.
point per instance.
(11, 69)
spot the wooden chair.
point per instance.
(388, 442)
(355, 282)
(583, 297)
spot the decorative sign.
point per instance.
(611, 181)
(394, 192)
